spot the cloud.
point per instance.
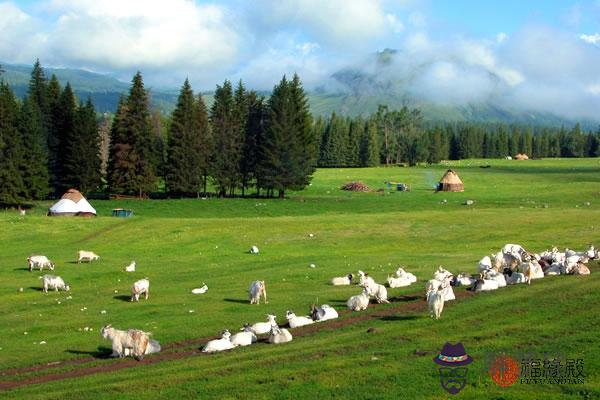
(17, 28)
(593, 39)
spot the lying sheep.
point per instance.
(494, 276)
(342, 280)
(502, 260)
(200, 290)
(323, 313)
(379, 292)
(513, 278)
(485, 263)
(359, 302)
(279, 335)
(580, 269)
(131, 342)
(140, 287)
(363, 278)
(483, 285)
(88, 256)
(253, 250)
(244, 338)
(130, 267)
(257, 288)
(295, 321)
(463, 279)
(54, 282)
(264, 327)
(435, 302)
(224, 343)
(39, 261)
(401, 278)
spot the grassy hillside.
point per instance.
(181, 244)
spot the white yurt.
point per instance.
(72, 203)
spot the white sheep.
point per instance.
(323, 313)
(364, 278)
(264, 327)
(502, 260)
(441, 274)
(253, 250)
(513, 278)
(463, 279)
(130, 267)
(131, 342)
(435, 302)
(140, 287)
(484, 285)
(485, 263)
(54, 282)
(379, 292)
(257, 288)
(342, 280)
(200, 290)
(495, 276)
(445, 286)
(401, 273)
(554, 269)
(580, 269)
(532, 270)
(224, 343)
(279, 335)
(589, 253)
(401, 278)
(297, 321)
(89, 256)
(244, 338)
(39, 261)
(359, 302)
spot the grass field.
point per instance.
(178, 244)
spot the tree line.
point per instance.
(393, 137)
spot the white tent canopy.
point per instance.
(72, 203)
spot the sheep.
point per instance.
(264, 327)
(379, 292)
(463, 279)
(554, 269)
(513, 278)
(435, 302)
(495, 276)
(502, 260)
(484, 285)
(200, 290)
(342, 280)
(224, 343)
(397, 282)
(323, 313)
(88, 256)
(253, 250)
(39, 261)
(359, 302)
(589, 253)
(132, 341)
(516, 250)
(140, 287)
(485, 263)
(532, 270)
(441, 274)
(54, 282)
(130, 267)
(401, 273)
(244, 338)
(364, 278)
(256, 289)
(447, 291)
(295, 322)
(580, 269)
(279, 335)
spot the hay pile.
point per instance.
(356, 187)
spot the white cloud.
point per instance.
(593, 39)
(394, 23)
(501, 37)
(16, 29)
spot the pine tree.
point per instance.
(334, 144)
(34, 165)
(226, 155)
(204, 139)
(369, 147)
(53, 139)
(355, 133)
(435, 146)
(61, 178)
(121, 162)
(253, 136)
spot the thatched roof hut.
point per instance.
(450, 182)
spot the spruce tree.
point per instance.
(226, 154)
(434, 155)
(355, 133)
(61, 178)
(12, 187)
(121, 162)
(252, 138)
(53, 140)
(34, 164)
(369, 146)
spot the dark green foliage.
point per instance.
(62, 175)
(255, 126)
(12, 187)
(334, 143)
(83, 164)
(369, 146)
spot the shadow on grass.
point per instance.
(21, 269)
(103, 353)
(406, 298)
(240, 301)
(38, 288)
(73, 262)
(400, 317)
(123, 297)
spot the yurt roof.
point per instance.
(73, 195)
(72, 202)
(451, 177)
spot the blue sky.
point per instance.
(448, 49)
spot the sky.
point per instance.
(534, 54)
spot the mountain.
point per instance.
(351, 91)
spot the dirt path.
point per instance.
(180, 350)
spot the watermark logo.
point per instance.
(505, 371)
(453, 360)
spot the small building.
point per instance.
(450, 182)
(72, 203)
(122, 212)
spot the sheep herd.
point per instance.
(511, 265)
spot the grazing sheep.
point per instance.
(364, 278)
(244, 338)
(130, 267)
(253, 250)
(132, 341)
(279, 335)
(264, 327)
(39, 261)
(360, 301)
(295, 322)
(224, 343)
(379, 292)
(200, 290)
(342, 280)
(463, 279)
(54, 282)
(435, 302)
(88, 256)
(140, 287)
(323, 313)
(257, 288)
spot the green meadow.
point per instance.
(181, 244)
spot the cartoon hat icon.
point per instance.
(453, 355)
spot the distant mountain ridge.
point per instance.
(354, 92)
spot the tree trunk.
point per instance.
(282, 194)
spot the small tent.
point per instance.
(72, 203)
(450, 182)
(521, 156)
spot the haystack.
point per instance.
(450, 182)
(72, 203)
